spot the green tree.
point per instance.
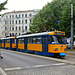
(54, 11)
(2, 5)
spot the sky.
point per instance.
(22, 5)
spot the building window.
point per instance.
(5, 22)
(30, 21)
(12, 16)
(5, 28)
(25, 21)
(25, 15)
(16, 34)
(10, 34)
(22, 21)
(30, 15)
(5, 34)
(16, 16)
(19, 22)
(12, 21)
(19, 28)
(19, 16)
(16, 28)
(19, 34)
(12, 28)
(22, 15)
(22, 29)
(25, 27)
(16, 21)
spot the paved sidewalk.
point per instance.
(49, 70)
(71, 52)
(2, 72)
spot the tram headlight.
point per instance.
(65, 49)
(56, 49)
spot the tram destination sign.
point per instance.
(59, 33)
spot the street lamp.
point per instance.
(72, 35)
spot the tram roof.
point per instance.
(36, 34)
(8, 38)
(43, 33)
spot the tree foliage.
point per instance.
(51, 14)
(2, 5)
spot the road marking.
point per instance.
(15, 68)
(36, 66)
(58, 64)
(44, 57)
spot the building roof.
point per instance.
(20, 11)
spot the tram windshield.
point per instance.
(57, 39)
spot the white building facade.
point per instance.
(16, 22)
(1, 28)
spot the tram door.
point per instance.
(17, 44)
(45, 45)
(25, 43)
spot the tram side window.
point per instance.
(21, 40)
(29, 40)
(7, 41)
(50, 39)
(2, 41)
(38, 40)
(34, 40)
(14, 41)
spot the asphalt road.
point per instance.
(11, 60)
